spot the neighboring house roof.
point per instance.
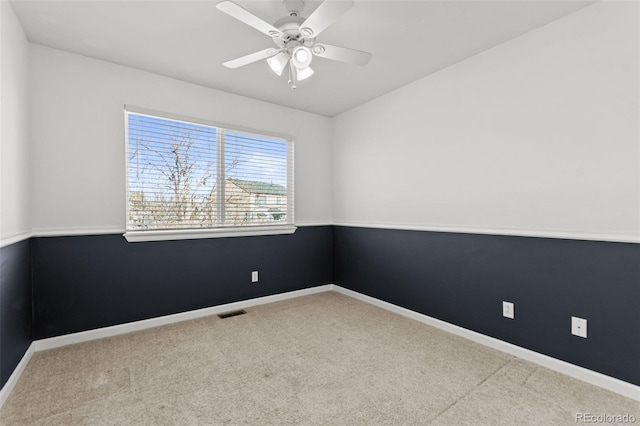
(256, 187)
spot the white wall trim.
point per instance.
(70, 232)
(7, 241)
(499, 231)
(193, 234)
(314, 223)
(99, 333)
(13, 379)
(609, 383)
(65, 232)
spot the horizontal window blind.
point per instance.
(187, 175)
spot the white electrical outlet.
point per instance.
(254, 276)
(579, 327)
(508, 310)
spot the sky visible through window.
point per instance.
(160, 150)
(173, 172)
(261, 159)
(154, 144)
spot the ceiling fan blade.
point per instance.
(342, 54)
(250, 58)
(243, 15)
(324, 16)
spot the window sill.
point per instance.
(193, 234)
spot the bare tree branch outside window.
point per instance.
(173, 177)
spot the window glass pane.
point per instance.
(172, 174)
(256, 179)
(184, 175)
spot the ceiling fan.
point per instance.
(295, 38)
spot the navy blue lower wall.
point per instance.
(15, 306)
(86, 282)
(463, 279)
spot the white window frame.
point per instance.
(222, 232)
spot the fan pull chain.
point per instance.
(292, 76)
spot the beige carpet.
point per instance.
(320, 359)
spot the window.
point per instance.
(189, 179)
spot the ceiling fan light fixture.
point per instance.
(301, 57)
(295, 38)
(278, 62)
(303, 73)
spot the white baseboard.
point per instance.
(612, 384)
(99, 333)
(13, 379)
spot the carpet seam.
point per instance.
(526, 385)
(470, 390)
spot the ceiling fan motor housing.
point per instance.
(290, 28)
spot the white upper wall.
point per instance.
(537, 136)
(79, 148)
(14, 125)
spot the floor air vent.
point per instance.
(232, 314)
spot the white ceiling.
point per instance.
(189, 41)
